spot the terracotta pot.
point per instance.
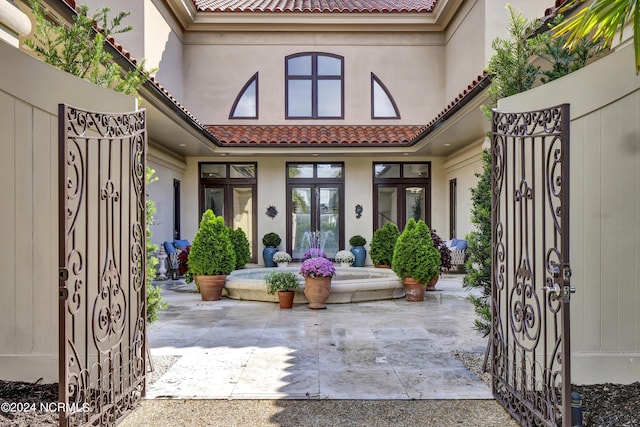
(414, 289)
(211, 287)
(382, 266)
(431, 286)
(286, 298)
(317, 290)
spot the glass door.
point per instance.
(315, 207)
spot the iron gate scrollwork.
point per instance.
(102, 265)
(531, 287)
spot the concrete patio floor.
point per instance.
(382, 350)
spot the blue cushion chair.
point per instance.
(172, 259)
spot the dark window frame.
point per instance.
(377, 80)
(314, 78)
(227, 184)
(239, 96)
(401, 183)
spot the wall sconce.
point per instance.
(358, 211)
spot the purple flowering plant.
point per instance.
(317, 267)
(313, 253)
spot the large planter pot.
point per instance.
(267, 254)
(361, 255)
(414, 289)
(431, 286)
(211, 287)
(317, 291)
(286, 298)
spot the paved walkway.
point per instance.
(384, 350)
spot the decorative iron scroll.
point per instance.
(102, 273)
(530, 213)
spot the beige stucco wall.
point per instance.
(463, 167)
(272, 191)
(29, 95)
(168, 168)
(155, 38)
(605, 213)
(217, 66)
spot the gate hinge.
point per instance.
(63, 275)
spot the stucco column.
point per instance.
(13, 23)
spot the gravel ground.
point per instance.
(605, 405)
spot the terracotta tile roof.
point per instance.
(300, 135)
(317, 6)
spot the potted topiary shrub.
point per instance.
(282, 259)
(415, 260)
(358, 250)
(382, 244)
(241, 247)
(317, 273)
(211, 257)
(285, 283)
(445, 259)
(271, 241)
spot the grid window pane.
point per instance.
(330, 170)
(299, 66)
(213, 171)
(301, 171)
(329, 98)
(387, 170)
(415, 170)
(329, 66)
(299, 102)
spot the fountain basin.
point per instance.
(350, 284)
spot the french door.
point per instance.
(315, 208)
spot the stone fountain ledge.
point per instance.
(351, 284)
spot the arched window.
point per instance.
(314, 86)
(382, 104)
(246, 104)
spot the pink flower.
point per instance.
(317, 267)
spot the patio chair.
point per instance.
(172, 259)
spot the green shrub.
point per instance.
(211, 252)
(383, 242)
(357, 240)
(241, 247)
(281, 281)
(153, 297)
(414, 254)
(271, 240)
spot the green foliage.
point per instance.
(512, 72)
(271, 240)
(414, 254)
(79, 49)
(443, 250)
(383, 242)
(281, 281)
(357, 240)
(478, 264)
(563, 59)
(600, 22)
(154, 299)
(241, 247)
(211, 252)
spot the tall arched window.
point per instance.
(314, 86)
(246, 104)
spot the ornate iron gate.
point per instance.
(530, 265)
(102, 265)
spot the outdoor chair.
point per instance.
(458, 249)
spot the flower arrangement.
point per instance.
(281, 256)
(317, 267)
(345, 257)
(314, 253)
(281, 281)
